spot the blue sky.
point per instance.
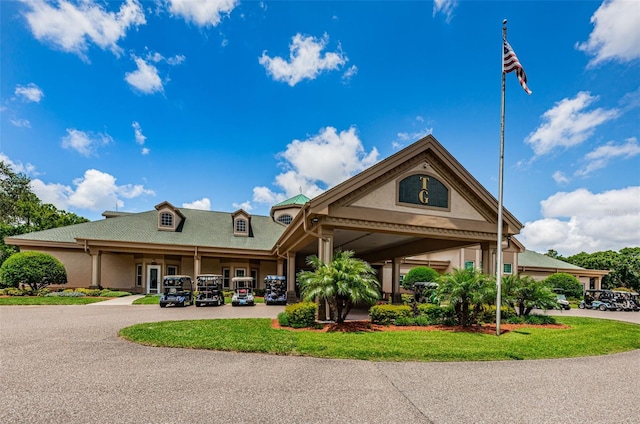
(221, 105)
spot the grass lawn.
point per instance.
(586, 337)
(46, 300)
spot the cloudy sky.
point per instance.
(220, 105)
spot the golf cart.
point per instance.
(602, 300)
(629, 301)
(209, 290)
(563, 303)
(425, 292)
(177, 291)
(275, 290)
(243, 291)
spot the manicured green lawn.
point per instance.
(46, 300)
(586, 337)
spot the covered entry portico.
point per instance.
(418, 201)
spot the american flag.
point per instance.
(510, 62)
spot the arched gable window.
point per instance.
(166, 219)
(241, 225)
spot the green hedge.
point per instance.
(302, 314)
(388, 314)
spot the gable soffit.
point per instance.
(469, 200)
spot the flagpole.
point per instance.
(500, 178)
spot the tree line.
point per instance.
(21, 211)
(624, 265)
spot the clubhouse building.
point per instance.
(419, 206)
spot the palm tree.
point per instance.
(343, 282)
(467, 290)
(523, 293)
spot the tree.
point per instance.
(523, 294)
(35, 269)
(343, 282)
(467, 290)
(569, 284)
(417, 274)
(21, 211)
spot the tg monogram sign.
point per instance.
(422, 189)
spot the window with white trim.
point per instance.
(139, 275)
(172, 270)
(507, 268)
(469, 265)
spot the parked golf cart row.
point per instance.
(178, 291)
(610, 300)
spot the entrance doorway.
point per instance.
(153, 279)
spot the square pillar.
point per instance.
(292, 296)
(396, 297)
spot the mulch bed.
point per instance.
(367, 326)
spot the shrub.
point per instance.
(569, 284)
(302, 314)
(259, 292)
(89, 292)
(516, 320)
(539, 319)
(65, 293)
(36, 269)
(12, 291)
(419, 274)
(388, 314)
(283, 319)
(406, 298)
(488, 315)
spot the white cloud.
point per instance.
(156, 57)
(568, 124)
(320, 162)
(137, 131)
(22, 123)
(72, 27)
(600, 157)
(145, 78)
(446, 7)
(145, 151)
(202, 204)
(349, 73)
(245, 206)
(203, 13)
(402, 138)
(583, 221)
(560, 178)
(18, 167)
(95, 191)
(29, 92)
(85, 143)
(305, 60)
(616, 32)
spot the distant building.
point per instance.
(418, 206)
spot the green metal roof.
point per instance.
(200, 228)
(300, 199)
(529, 258)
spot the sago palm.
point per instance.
(467, 290)
(343, 282)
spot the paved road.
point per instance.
(66, 364)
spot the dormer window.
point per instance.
(169, 217)
(166, 219)
(241, 224)
(285, 219)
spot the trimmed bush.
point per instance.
(89, 292)
(419, 274)
(35, 269)
(283, 319)
(113, 293)
(540, 319)
(488, 315)
(65, 293)
(388, 314)
(302, 314)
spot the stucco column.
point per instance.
(280, 267)
(488, 258)
(96, 272)
(292, 296)
(196, 265)
(396, 298)
(325, 254)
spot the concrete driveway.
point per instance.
(66, 364)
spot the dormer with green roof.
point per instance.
(285, 211)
